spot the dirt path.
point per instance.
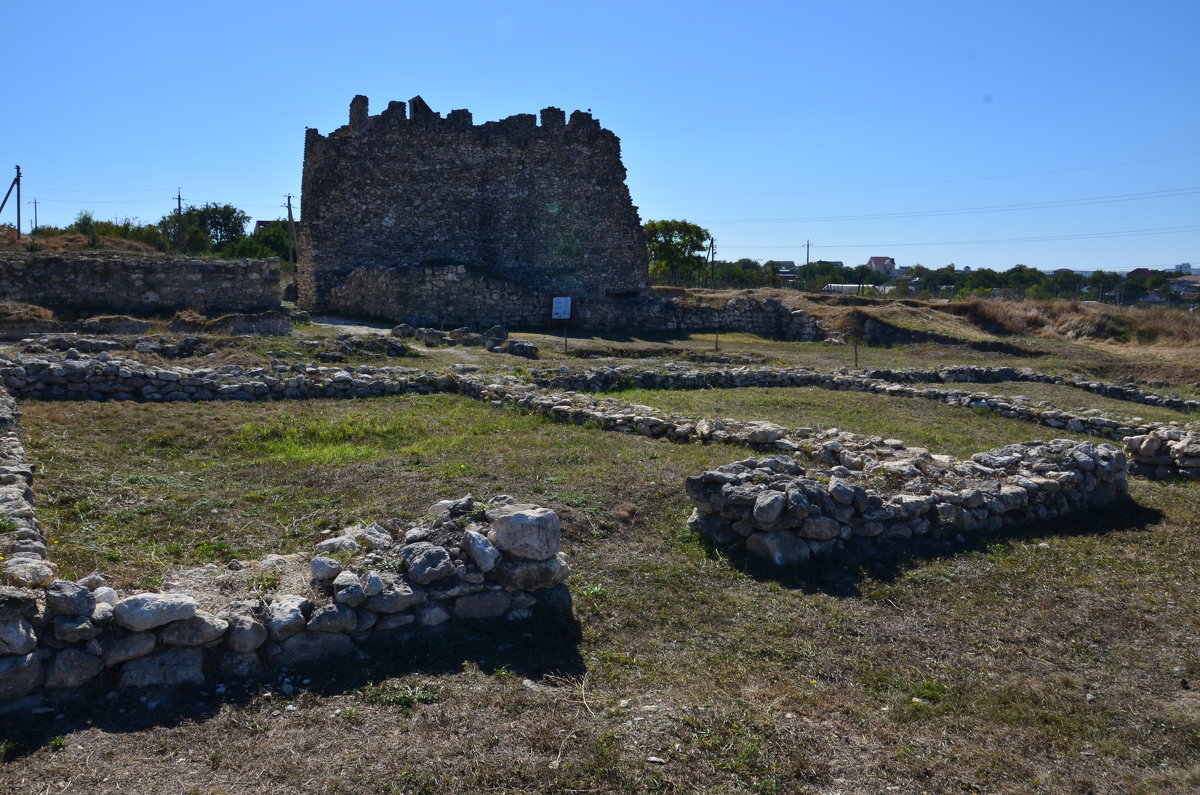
(346, 326)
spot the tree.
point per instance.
(211, 227)
(269, 241)
(675, 249)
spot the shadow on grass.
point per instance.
(544, 646)
(886, 560)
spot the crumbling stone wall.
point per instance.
(1165, 453)
(140, 286)
(542, 205)
(494, 560)
(455, 295)
(775, 510)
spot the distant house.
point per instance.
(1156, 297)
(884, 265)
(1139, 273)
(1183, 284)
(854, 289)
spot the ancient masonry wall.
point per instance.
(140, 286)
(774, 510)
(453, 295)
(1165, 453)
(543, 205)
(497, 560)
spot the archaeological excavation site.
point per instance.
(464, 489)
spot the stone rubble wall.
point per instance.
(676, 378)
(773, 509)
(106, 377)
(1165, 453)
(140, 286)
(492, 561)
(454, 295)
(539, 202)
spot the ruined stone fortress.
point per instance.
(539, 207)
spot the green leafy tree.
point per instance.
(209, 228)
(269, 241)
(675, 250)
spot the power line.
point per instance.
(1168, 193)
(1164, 230)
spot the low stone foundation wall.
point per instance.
(774, 510)
(615, 378)
(105, 377)
(495, 561)
(1165, 453)
(452, 295)
(140, 286)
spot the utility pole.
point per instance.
(16, 183)
(807, 259)
(712, 261)
(178, 220)
(291, 235)
(35, 206)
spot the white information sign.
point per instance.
(560, 307)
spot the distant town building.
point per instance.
(853, 289)
(884, 265)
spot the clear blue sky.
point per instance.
(1075, 126)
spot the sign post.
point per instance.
(560, 309)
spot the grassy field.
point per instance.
(1059, 659)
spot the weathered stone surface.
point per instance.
(199, 630)
(16, 636)
(149, 610)
(342, 543)
(426, 562)
(398, 595)
(16, 602)
(373, 536)
(75, 629)
(769, 506)
(820, 528)
(311, 647)
(103, 614)
(324, 568)
(332, 618)
(20, 675)
(246, 633)
(531, 575)
(72, 668)
(108, 284)
(393, 621)
(119, 650)
(171, 666)
(348, 590)
(431, 614)
(779, 548)
(481, 551)
(485, 604)
(526, 531)
(286, 616)
(29, 573)
(402, 212)
(238, 665)
(65, 598)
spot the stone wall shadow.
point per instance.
(544, 646)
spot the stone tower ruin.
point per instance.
(541, 206)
